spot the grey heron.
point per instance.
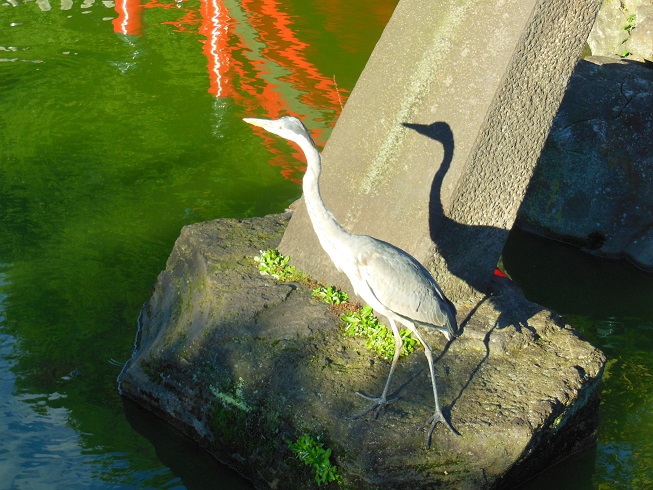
(390, 280)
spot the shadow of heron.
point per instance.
(463, 247)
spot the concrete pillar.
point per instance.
(438, 141)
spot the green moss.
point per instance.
(631, 23)
(233, 398)
(555, 189)
(228, 425)
(330, 295)
(272, 263)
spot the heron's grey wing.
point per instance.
(403, 285)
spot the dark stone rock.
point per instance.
(593, 184)
(608, 33)
(240, 362)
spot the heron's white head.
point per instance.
(287, 127)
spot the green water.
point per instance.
(118, 129)
(610, 302)
(109, 144)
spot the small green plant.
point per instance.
(363, 323)
(330, 295)
(272, 263)
(311, 452)
(630, 23)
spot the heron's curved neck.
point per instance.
(326, 227)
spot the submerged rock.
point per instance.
(241, 363)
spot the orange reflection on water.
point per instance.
(254, 56)
(215, 22)
(128, 21)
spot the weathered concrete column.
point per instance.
(438, 141)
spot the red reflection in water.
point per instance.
(215, 22)
(128, 21)
(259, 61)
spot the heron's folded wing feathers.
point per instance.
(403, 285)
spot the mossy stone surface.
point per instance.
(240, 363)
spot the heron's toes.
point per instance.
(437, 417)
(378, 403)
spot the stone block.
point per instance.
(438, 141)
(240, 363)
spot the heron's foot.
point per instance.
(378, 403)
(437, 417)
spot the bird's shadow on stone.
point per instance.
(464, 248)
(513, 320)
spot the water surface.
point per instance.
(609, 302)
(119, 124)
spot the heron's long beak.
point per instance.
(261, 123)
(446, 331)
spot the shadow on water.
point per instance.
(608, 301)
(196, 468)
(574, 282)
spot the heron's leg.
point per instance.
(381, 401)
(437, 414)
